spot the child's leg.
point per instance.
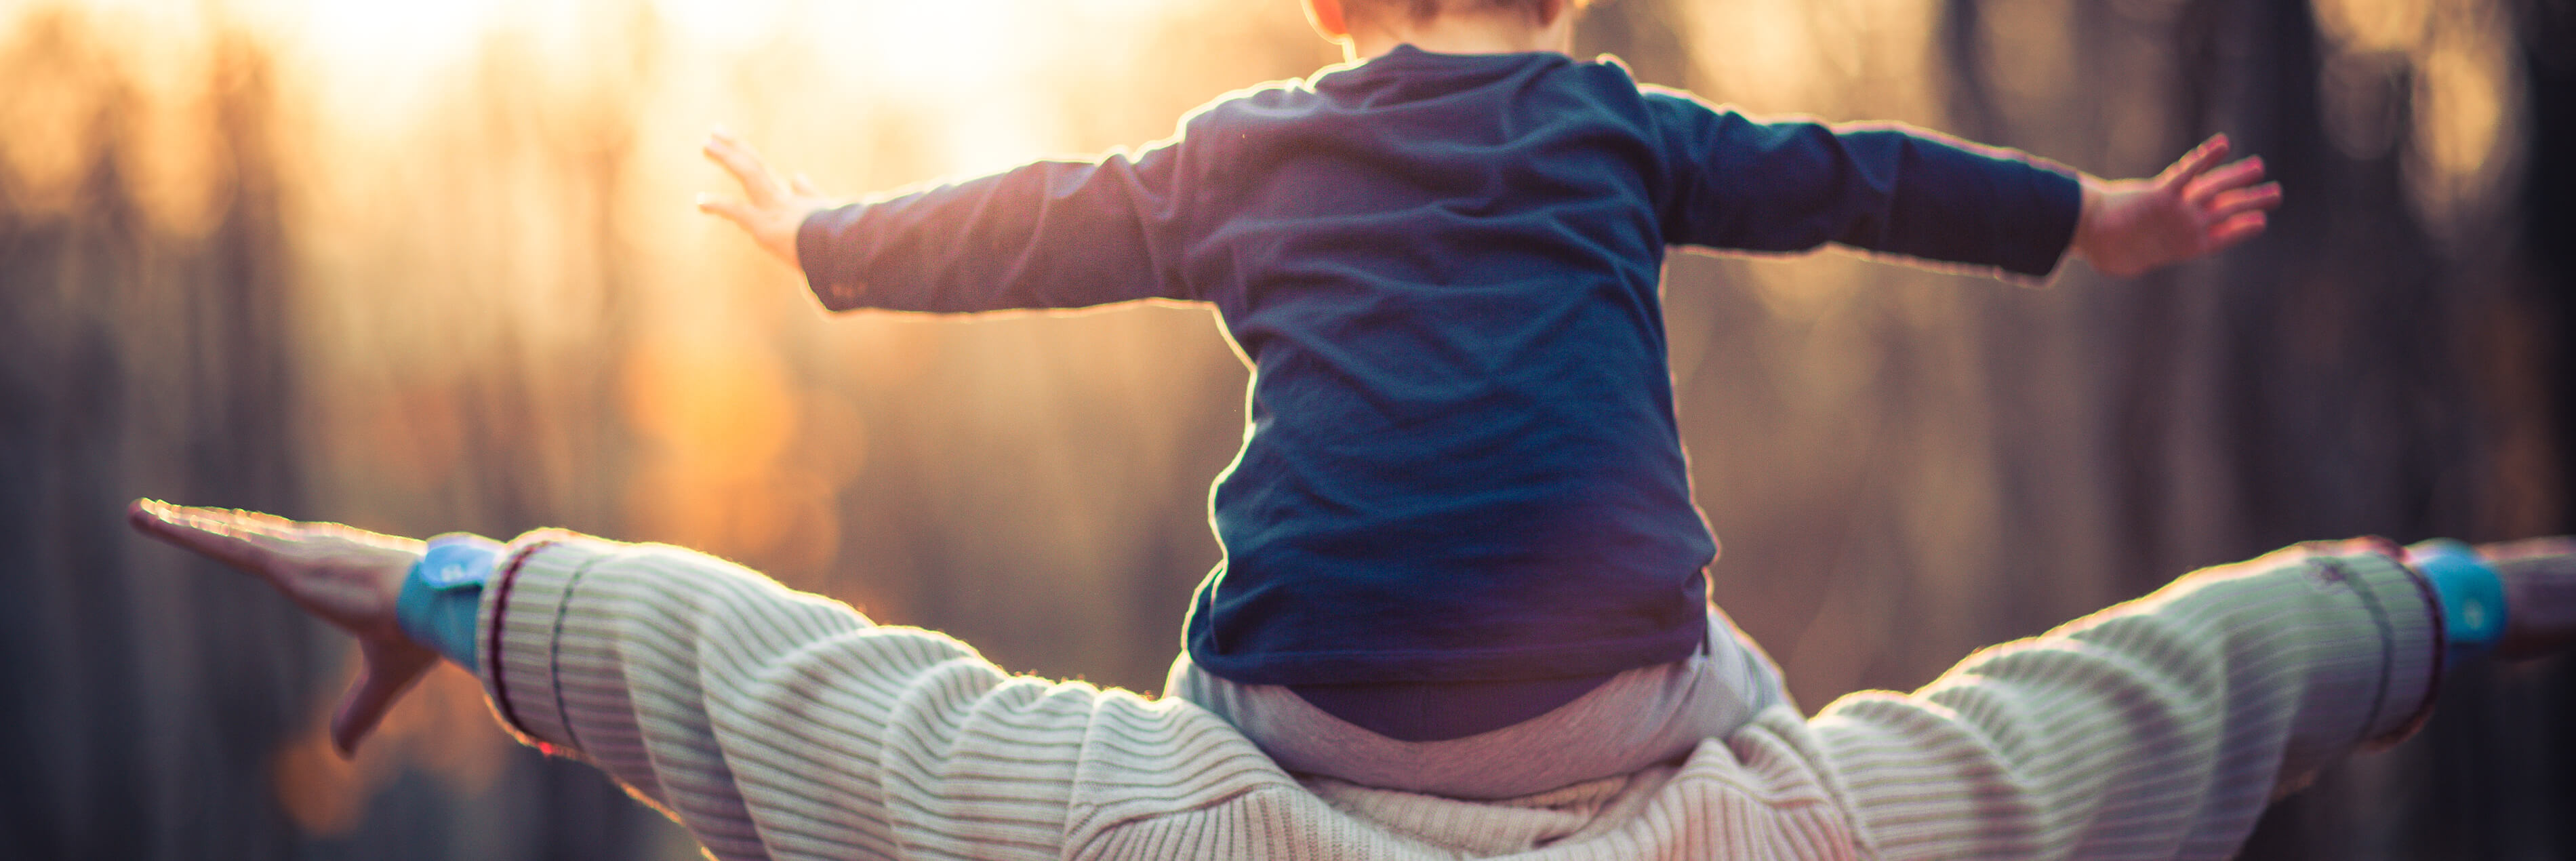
(1634, 719)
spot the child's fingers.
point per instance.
(805, 186)
(745, 169)
(2233, 201)
(736, 211)
(745, 165)
(2235, 229)
(2192, 164)
(2238, 175)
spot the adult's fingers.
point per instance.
(2192, 164)
(389, 670)
(2532, 548)
(2540, 595)
(246, 540)
(251, 540)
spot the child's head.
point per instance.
(1343, 20)
(1418, 10)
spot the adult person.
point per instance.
(775, 724)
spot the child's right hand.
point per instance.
(770, 210)
(2191, 210)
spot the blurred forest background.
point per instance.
(432, 266)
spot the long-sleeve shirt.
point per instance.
(1461, 460)
(774, 724)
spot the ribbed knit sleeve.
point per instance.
(2156, 729)
(775, 724)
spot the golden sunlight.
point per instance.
(430, 265)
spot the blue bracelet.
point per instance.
(444, 592)
(2472, 596)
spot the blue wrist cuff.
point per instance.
(2472, 596)
(444, 592)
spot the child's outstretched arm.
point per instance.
(1053, 233)
(2193, 209)
(1790, 185)
(769, 210)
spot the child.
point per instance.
(1461, 555)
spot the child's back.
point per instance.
(1462, 463)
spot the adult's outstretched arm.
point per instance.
(769, 723)
(2162, 727)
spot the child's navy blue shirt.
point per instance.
(1462, 462)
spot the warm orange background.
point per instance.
(424, 266)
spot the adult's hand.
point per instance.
(2539, 595)
(346, 576)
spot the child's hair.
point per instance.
(1422, 9)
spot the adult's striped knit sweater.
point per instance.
(776, 724)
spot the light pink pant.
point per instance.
(1637, 718)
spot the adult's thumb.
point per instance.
(387, 673)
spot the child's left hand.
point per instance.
(2189, 211)
(770, 210)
